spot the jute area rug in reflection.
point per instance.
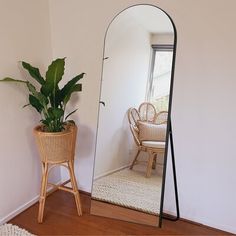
(130, 188)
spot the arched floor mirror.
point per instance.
(134, 116)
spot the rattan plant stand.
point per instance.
(57, 149)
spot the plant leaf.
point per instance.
(55, 113)
(71, 113)
(75, 88)
(34, 102)
(68, 88)
(34, 72)
(8, 79)
(57, 98)
(46, 121)
(39, 96)
(31, 88)
(53, 77)
(26, 105)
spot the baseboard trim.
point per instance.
(85, 192)
(206, 224)
(23, 207)
(19, 210)
(31, 203)
(111, 172)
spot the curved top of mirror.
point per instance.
(151, 18)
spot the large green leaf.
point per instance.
(8, 79)
(53, 77)
(70, 87)
(75, 88)
(34, 102)
(34, 72)
(31, 88)
(56, 99)
(39, 96)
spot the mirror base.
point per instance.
(121, 213)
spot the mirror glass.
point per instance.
(131, 135)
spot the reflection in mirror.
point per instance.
(131, 135)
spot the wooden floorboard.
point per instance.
(61, 219)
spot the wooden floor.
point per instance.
(61, 219)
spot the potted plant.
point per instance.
(55, 136)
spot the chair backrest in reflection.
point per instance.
(147, 111)
(161, 117)
(133, 116)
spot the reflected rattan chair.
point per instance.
(134, 117)
(161, 117)
(147, 111)
(152, 147)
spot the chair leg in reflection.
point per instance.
(150, 164)
(135, 159)
(154, 162)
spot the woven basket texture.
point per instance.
(56, 147)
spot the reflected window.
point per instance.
(160, 76)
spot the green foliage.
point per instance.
(50, 101)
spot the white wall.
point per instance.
(25, 35)
(203, 116)
(124, 81)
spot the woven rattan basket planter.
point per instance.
(56, 147)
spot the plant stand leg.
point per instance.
(132, 165)
(75, 188)
(43, 192)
